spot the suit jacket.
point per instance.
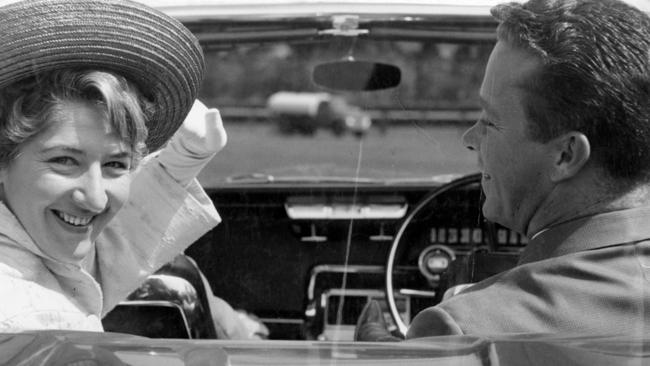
(587, 276)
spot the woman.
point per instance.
(87, 88)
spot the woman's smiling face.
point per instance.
(68, 181)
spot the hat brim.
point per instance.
(151, 49)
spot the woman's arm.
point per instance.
(167, 209)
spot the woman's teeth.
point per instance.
(74, 220)
(486, 176)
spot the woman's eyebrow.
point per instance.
(121, 155)
(62, 148)
(72, 150)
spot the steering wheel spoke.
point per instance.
(416, 292)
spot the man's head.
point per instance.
(594, 76)
(566, 91)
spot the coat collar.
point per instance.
(16, 234)
(11, 228)
(73, 278)
(590, 232)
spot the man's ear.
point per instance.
(571, 151)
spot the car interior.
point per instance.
(345, 179)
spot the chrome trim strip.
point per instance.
(282, 321)
(419, 293)
(338, 268)
(193, 10)
(341, 211)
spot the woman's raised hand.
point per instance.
(202, 133)
(200, 137)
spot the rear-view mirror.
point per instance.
(353, 75)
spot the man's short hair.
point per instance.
(594, 77)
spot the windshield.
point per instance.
(282, 125)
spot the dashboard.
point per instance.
(306, 258)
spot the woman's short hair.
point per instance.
(594, 77)
(28, 105)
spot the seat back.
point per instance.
(178, 282)
(184, 267)
(153, 319)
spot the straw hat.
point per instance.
(144, 45)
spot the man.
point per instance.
(564, 147)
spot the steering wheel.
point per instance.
(390, 296)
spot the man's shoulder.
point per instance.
(433, 321)
(552, 295)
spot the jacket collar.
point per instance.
(76, 282)
(16, 235)
(590, 232)
(11, 228)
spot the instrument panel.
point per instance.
(280, 248)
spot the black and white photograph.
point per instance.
(324, 182)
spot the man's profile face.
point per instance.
(514, 167)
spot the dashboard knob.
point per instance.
(437, 262)
(434, 260)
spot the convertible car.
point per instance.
(344, 178)
(344, 181)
